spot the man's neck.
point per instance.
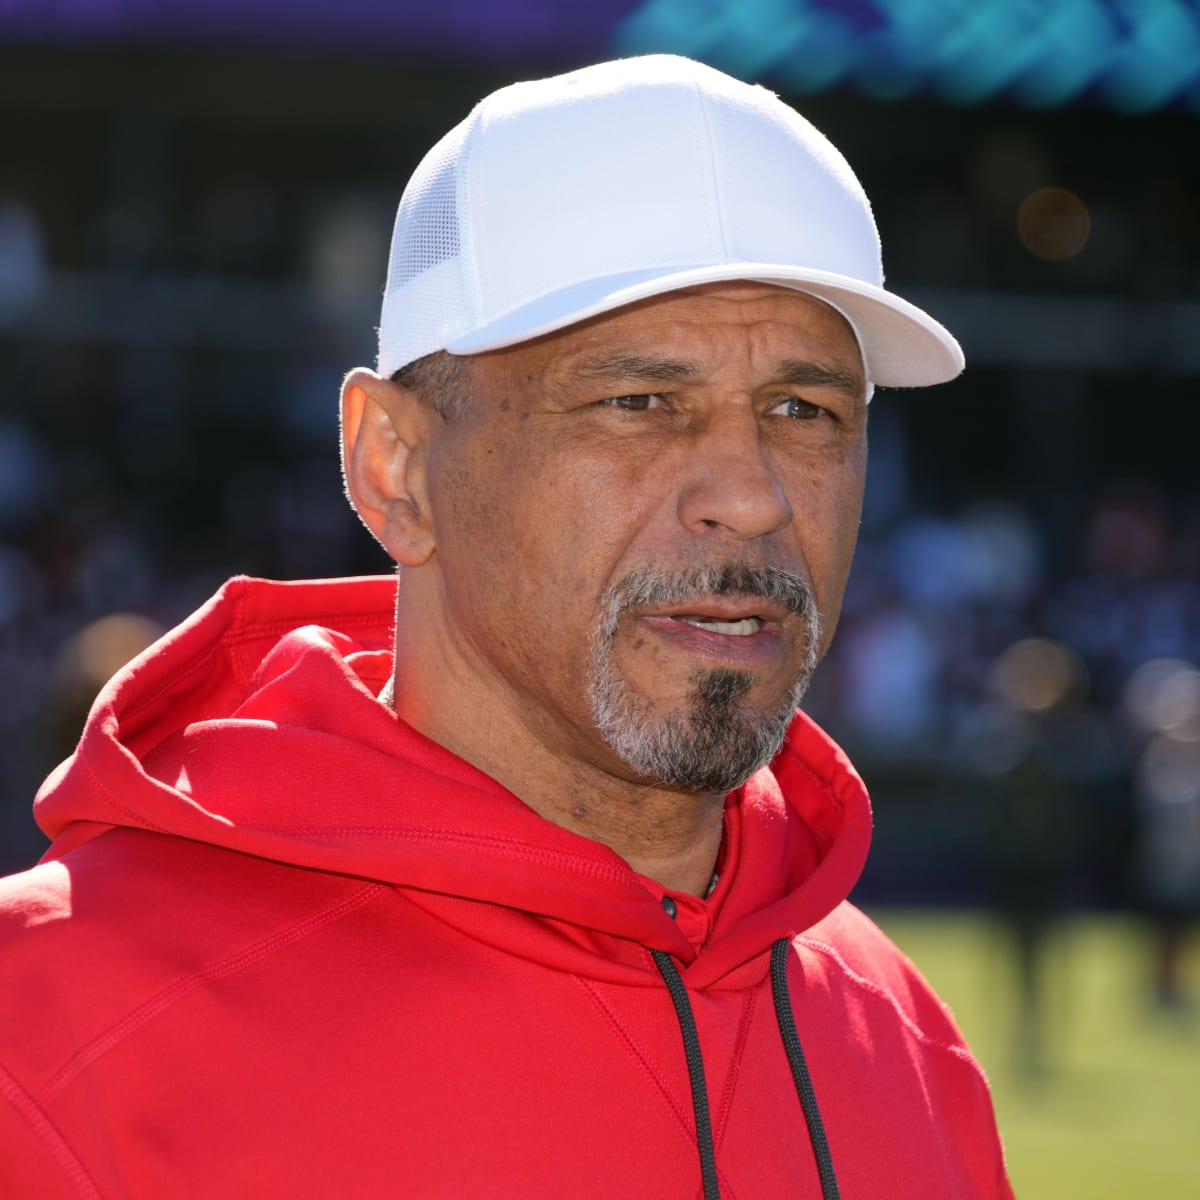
(670, 836)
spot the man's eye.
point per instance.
(638, 403)
(798, 409)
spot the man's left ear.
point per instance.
(385, 430)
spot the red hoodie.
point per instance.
(283, 945)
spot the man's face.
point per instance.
(642, 522)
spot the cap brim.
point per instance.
(901, 345)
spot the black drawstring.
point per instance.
(795, 1057)
(800, 1075)
(695, 1066)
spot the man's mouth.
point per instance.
(724, 631)
(744, 627)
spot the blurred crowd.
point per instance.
(1015, 673)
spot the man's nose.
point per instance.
(729, 482)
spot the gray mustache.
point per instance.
(648, 587)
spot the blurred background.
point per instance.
(195, 204)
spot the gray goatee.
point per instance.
(714, 742)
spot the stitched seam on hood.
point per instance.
(234, 640)
(136, 819)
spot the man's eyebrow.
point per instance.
(808, 374)
(639, 366)
(670, 370)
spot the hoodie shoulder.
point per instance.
(850, 945)
(108, 936)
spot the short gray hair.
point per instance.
(441, 379)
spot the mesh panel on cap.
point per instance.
(427, 232)
(424, 306)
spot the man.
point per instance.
(543, 893)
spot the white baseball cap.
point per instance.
(561, 198)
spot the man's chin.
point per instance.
(712, 743)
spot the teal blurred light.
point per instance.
(1165, 63)
(1133, 56)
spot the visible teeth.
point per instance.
(742, 628)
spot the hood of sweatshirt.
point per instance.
(254, 726)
